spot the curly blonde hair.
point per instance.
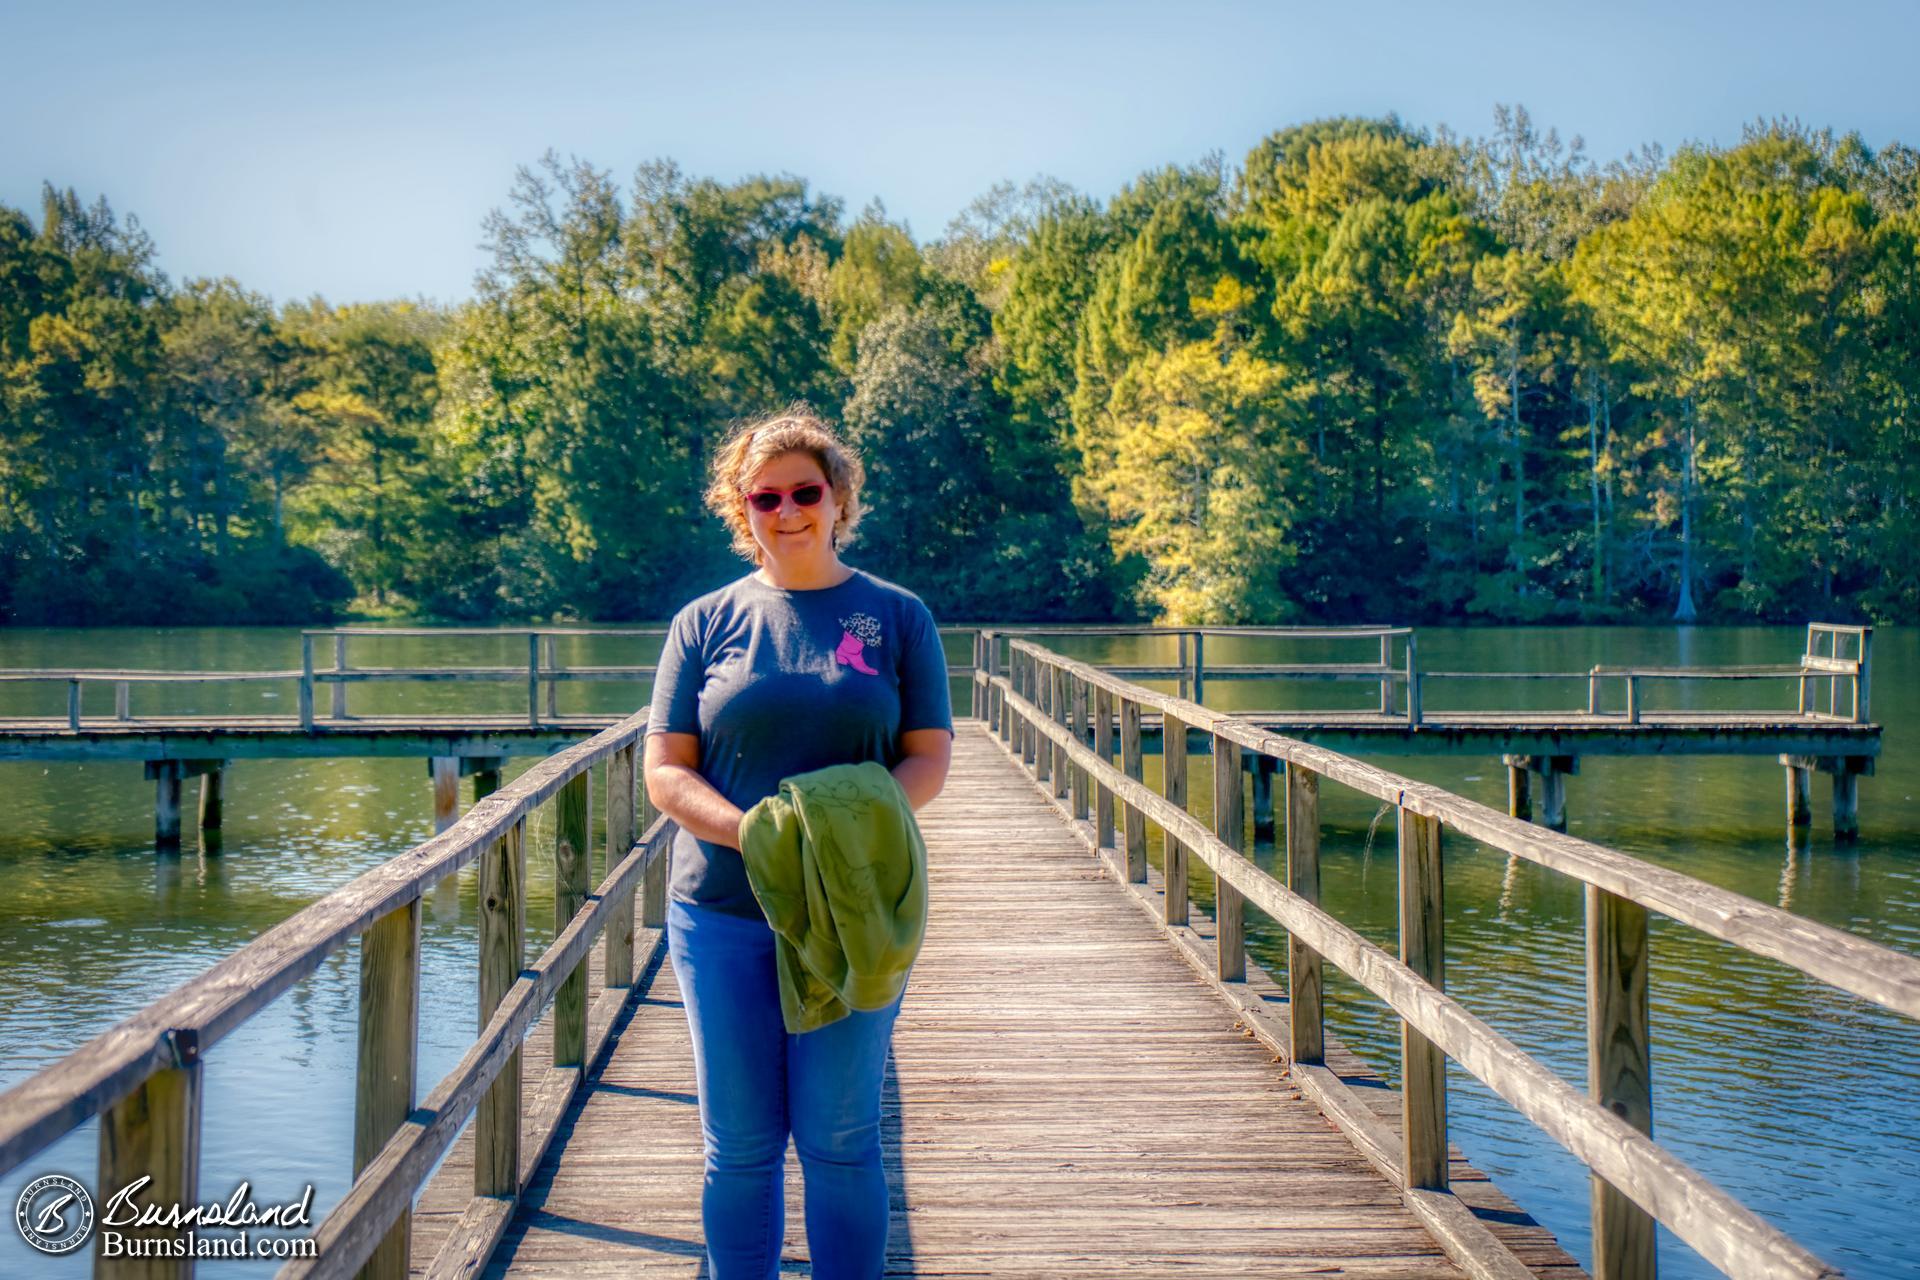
(752, 445)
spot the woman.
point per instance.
(805, 662)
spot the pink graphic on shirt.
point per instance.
(858, 632)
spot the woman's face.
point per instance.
(792, 533)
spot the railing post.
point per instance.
(572, 872)
(1173, 779)
(1184, 668)
(1862, 683)
(503, 907)
(1103, 747)
(388, 1071)
(1133, 764)
(996, 701)
(1619, 1071)
(122, 700)
(1044, 685)
(553, 686)
(1062, 766)
(1230, 824)
(1386, 679)
(1633, 698)
(976, 692)
(1029, 754)
(1422, 949)
(1200, 667)
(1833, 681)
(338, 697)
(1593, 690)
(533, 678)
(1078, 777)
(1413, 680)
(620, 832)
(1304, 1001)
(653, 896)
(73, 704)
(306, 681)
(154, 1132)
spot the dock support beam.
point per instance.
(1799, 792)
(1846, 806)
(1553, 771)
(166, 802)
(445, 773)
(167, 777)
(1846, 772)
(1519, 791)
(1262, 768)
(211, 788)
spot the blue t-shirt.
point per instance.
(781, 682)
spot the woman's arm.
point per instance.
(922, 770)
(676, 788)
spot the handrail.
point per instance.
(1038, 707)
(542, 671)
(143, 1073)
(1191, 670)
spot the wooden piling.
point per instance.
(1799, 791)
(166, 802)
(1846, 802)
(1553, 799)
(444, 771)
(1519, 790)
(212, 782)
(1263, 769)
(486, 781)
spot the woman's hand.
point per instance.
(676, 788)
(922, 771)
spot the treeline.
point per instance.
(1371, 373)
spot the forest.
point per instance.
(1370, 373)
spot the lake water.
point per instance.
(1802, 1102)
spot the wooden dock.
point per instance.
(1091, 1076)
(1068, 1097)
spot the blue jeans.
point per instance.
(757, 1084)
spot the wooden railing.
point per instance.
(1044, 707)
(1846, 663)
(542, 674)
(143, 1078)
(543, 669)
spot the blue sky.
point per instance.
(352, 149)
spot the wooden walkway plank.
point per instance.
(1067, 1098)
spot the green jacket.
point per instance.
(838, 865)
